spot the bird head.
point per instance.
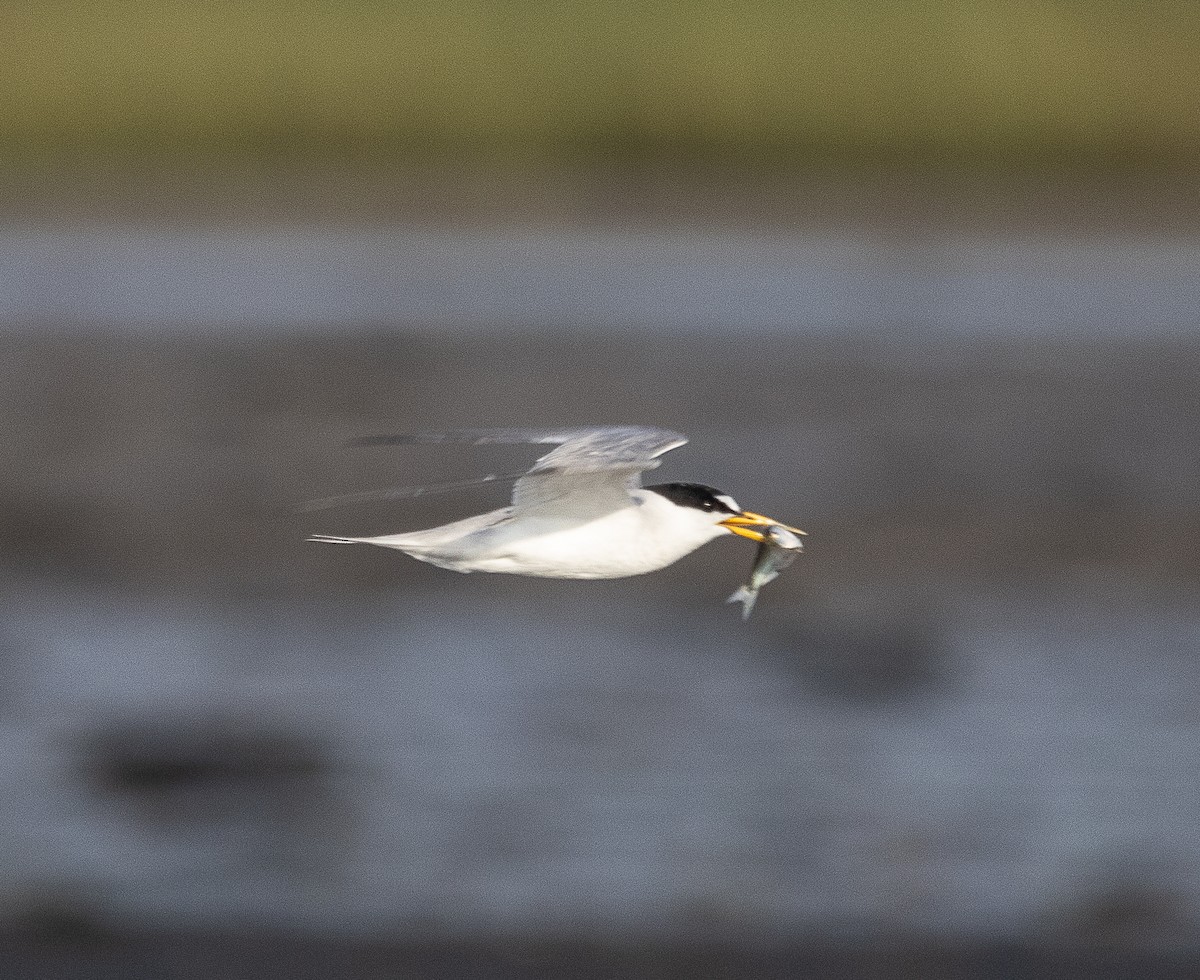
(717, 508)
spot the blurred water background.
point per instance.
(924, 282)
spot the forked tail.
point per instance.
(747, 598)
(332, 539)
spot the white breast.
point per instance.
(644, 537)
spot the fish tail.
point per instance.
(746, 597)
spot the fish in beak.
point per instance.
(751, 525)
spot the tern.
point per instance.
(580, 512)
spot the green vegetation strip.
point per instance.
(998, 82)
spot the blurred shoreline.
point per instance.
(1062, 204)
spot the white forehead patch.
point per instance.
(728, 501)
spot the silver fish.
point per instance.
(778, 549)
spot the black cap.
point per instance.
(697, 495)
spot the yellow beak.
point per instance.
(746, 522)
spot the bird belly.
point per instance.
(613, 546)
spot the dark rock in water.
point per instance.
(181, 755)
(272, 791)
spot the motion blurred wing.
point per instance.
(591, 470)
(404, 493)
(471, 437)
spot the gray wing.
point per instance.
(471, 437)
(591, 470)
(403, 493)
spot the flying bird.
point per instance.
(580, 512)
